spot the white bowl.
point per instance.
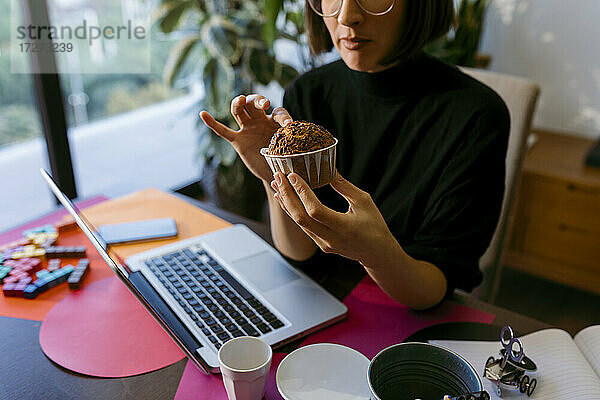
(323, 371)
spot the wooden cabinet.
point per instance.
(556, 220)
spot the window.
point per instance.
(128, 131)
(22, 147)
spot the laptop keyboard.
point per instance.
(219, 305)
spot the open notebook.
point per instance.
(567, 368)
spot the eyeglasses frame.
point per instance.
(357, 2)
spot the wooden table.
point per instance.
(26, 373)
(556, 229)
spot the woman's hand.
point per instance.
(360, 233)
(256, 129)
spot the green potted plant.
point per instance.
(228, 44)
(460, 46)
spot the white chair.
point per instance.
(520, 96)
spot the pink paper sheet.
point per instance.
(374, 322)
(195, 385)
(104, 331)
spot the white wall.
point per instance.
(557, 44)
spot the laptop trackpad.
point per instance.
(265, 271)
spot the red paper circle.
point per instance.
(102, 330)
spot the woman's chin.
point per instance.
(360, 63)
(356, 65)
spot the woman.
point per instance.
(420, 157)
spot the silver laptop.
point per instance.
(208, 289)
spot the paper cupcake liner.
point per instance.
(317, 167)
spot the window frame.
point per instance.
(49, 99)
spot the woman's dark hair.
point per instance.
(424, 22)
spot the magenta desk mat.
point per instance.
(374, 322)
(57, 216)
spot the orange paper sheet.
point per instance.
(146, 204)
(150, 204)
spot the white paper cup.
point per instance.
(317, 167)
(245, 362)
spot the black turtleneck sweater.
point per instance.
(427, 142)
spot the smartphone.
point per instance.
(138, 231)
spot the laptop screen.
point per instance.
(85, 226)
(135, 282)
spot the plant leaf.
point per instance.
(461, 47)
(271, 10)
(171, 19)
(161, 10)
(219, 79)
(204, 143)
(287, 74)
(212, 146)
(177, 57)
(220, 36)
(297, 18)
(248, 11)
(223, 151)
(262, 66)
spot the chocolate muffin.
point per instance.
(299, 137)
